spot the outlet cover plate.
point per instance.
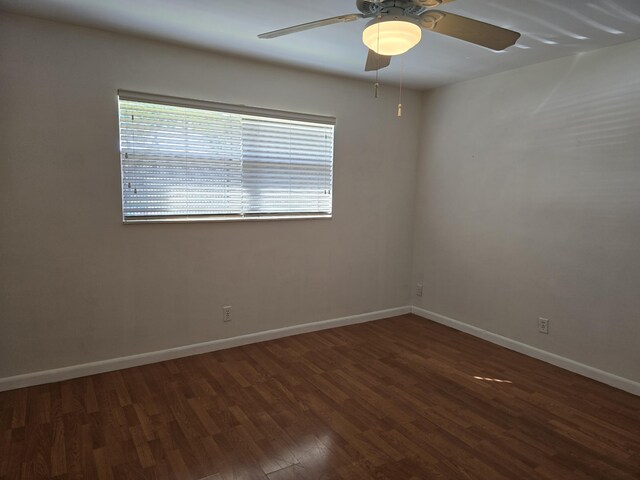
(543, 325)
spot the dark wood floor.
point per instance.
(401, 398)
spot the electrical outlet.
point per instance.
(543, 325)
(419, 290)
(226, 314)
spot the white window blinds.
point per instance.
(191, 160)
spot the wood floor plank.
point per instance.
(401, 398)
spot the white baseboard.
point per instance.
(562, 362)
(65, 373)
(92, 368)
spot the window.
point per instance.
(189, 160)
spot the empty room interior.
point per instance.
(304, 239)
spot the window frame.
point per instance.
(226, 108)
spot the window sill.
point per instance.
(222, 218)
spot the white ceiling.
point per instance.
(550, 29)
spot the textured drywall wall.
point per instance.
(528, 206)
(76, 285)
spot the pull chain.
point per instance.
(377, 84)
(401, 78)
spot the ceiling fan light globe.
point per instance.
(391, 37)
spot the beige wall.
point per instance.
(76, 285)
(528, 205)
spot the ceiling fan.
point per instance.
(396, 27)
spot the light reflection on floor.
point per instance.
(495, 380)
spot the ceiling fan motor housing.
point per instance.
(411, 8)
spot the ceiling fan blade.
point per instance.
(376, 62)
(307, 26)
(469, 30)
